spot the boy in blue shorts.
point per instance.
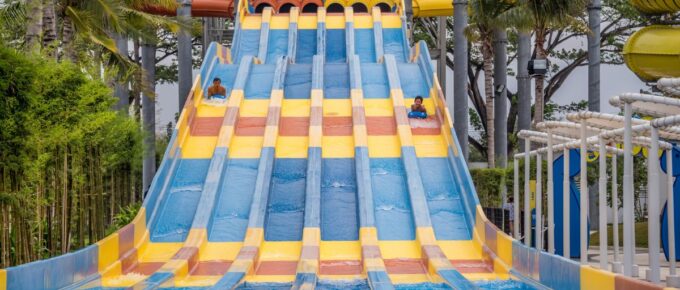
(417, 109)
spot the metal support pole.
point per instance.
(628, 218)
(551, 199)
(616, 265)
(184, 56)
(672, 277)
(603, 205)
(149, 115)
(459, 105)
(583, 229)
(527, 194)
(594, 21)
(515, 199)
(501, 99)
(566, 197)
(539, 202)
(653, 206)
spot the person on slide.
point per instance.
(217, 91)
(417, 109)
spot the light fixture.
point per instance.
(538, 66)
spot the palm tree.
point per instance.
(543, 16)
(483, 21)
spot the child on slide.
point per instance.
(418, 111)
(217, 91)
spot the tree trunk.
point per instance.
(149, 114)
(487, 54)
(34, 25)
(540, 79)
(49, 28)
(68, 36)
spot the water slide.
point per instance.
(311, 176)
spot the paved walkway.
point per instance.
(641, 259)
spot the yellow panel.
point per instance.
(3, 279)
(337, 147)
(400, 249)
(378, 107)
(391, 21)
(307, 21)
(158, 252)
(270, 278)
(596, 279)
(362, 21)
(246, 147)
(337, 108)
(197, 281)
(280, 251)
(429, 146)
(279, 22)
(295, 108)
(254, 108)
(140, 226)
(504, 247)
(461, 250)
(199, 146)
(384, 146)
(409, 278)
(252, 22)
(368, 236)
(211, 111)
(291, 147)
(212, 251)
(340, 250)
(335, 21)
(108, 251)
(127, 280)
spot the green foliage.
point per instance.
(64, 154)
(489, 183)
(123, 217)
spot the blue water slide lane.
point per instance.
(258, 208)
(277, 45)
(416, 192)
(574, 204)
(306, 45)
(335, 53)
(393, 43)
(676, 200)
(264, 35)
(364, 186)
(249, 43)
(364, 45)
(336, 81)
(374, 81)
(259, 83)
(298, 83)
(285, 211)
(412, 82)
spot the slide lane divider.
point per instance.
(308, 265)
(292, 33)
(321, 33)
(186, 258)
(264, 34)
(436, 260)
(349, 32)
(247, 257)
(377, 34)
(374, 266)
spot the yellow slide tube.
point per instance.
(656, 6)
(654, 52)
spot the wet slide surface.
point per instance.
(309, 175)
